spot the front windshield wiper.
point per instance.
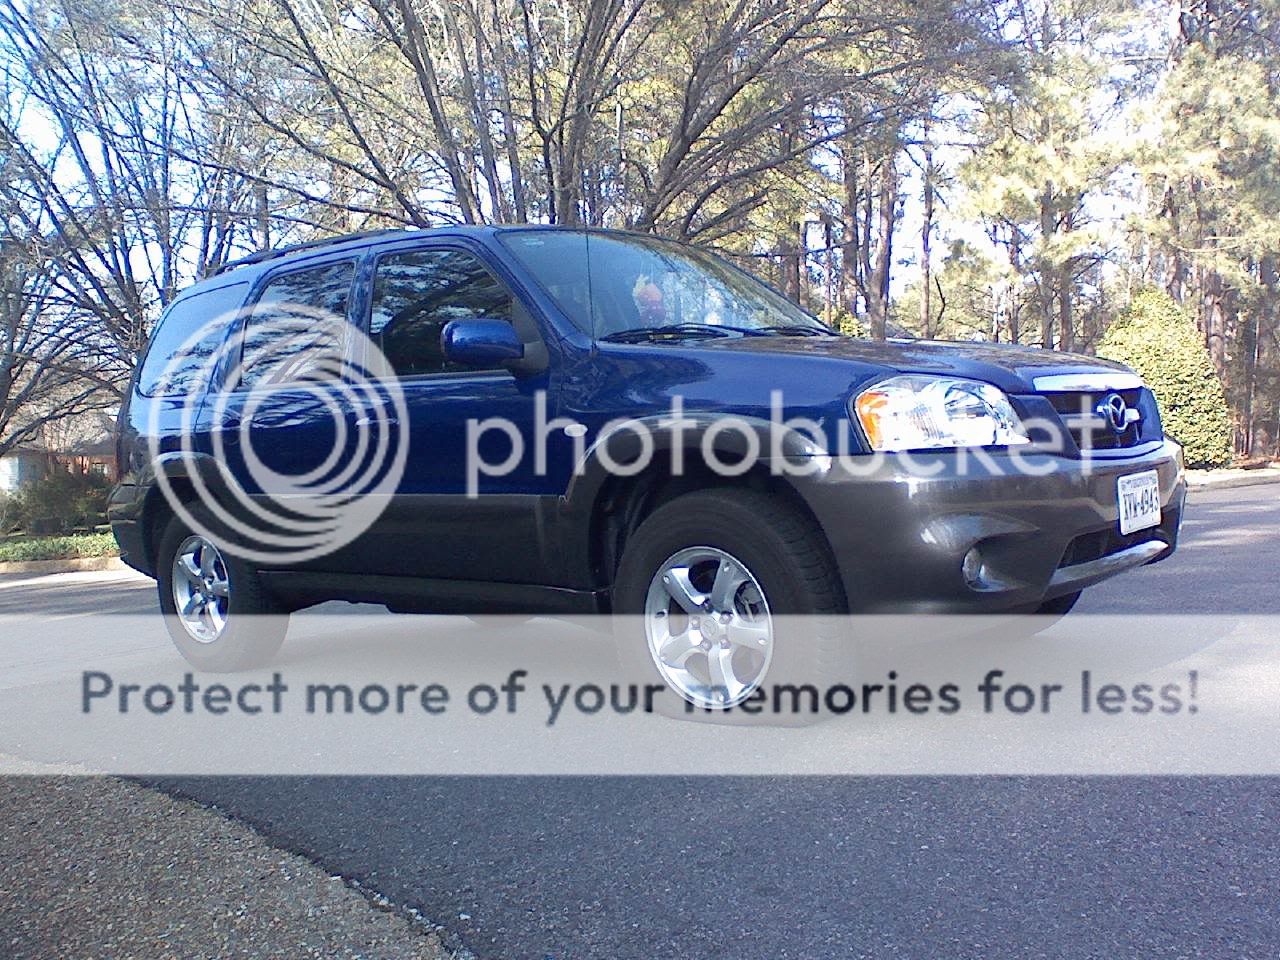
(802, 330)
(679, 331)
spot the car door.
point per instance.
(283, 410)
(434, 526)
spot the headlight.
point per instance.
(918, 411)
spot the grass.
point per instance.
(59, 548)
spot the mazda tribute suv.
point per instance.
(542, 420)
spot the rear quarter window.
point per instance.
(189, 334)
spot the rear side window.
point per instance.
(416, 293)
(297, 326)
(170, 370)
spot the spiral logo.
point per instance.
(289, 433)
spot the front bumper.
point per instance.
(900, 538)
(125, 509)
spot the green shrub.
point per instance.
(845, 322)
(62, 501)
(59, 548)
(1160, 341)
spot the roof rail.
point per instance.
(261, 255)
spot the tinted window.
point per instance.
(298, 326)
(170, 370)
(415, 294)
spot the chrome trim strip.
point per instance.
(1080, 575)
(1081, 382)
(1087, 419)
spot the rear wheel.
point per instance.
(216, 610)
(709, 596)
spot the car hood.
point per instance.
(1011, 368)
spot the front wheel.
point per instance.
(1051, 611)
(215, 608)
(723, 593)
(1059, 607)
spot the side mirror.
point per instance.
(481, 343)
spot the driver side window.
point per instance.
(417, 292)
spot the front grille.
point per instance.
(1077, 410)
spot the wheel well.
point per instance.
(157, 512)
(623, 503)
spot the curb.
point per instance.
(70, 565)
(1204, 482)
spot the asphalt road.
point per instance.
(776, 868)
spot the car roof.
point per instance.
(247, 269)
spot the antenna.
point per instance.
(591, 300)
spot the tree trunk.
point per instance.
(851, 254)
(1215, 321)
(1066, 325)
(926, 237)
(790, 273)
(1048, 226)
(1015, 303)
(263, 211)
(878, 287)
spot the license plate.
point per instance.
(1139, 497)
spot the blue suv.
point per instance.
(576, 421)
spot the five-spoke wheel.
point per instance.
(201, 589)
(708, 626)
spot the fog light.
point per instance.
(972, 568)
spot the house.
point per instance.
(83, 444)
(20, 466)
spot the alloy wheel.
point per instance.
(708, 625)
(201, 589)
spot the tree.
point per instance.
(970, 298)
(1046, 146)
(50, 370)
(128, 215)
(1211, 172)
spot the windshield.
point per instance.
(642, 283)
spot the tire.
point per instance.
(788, 566)
(1051, 611)
(1024, 624)
(1059, 606)
(253, 625)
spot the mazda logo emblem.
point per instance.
(1114, 412)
